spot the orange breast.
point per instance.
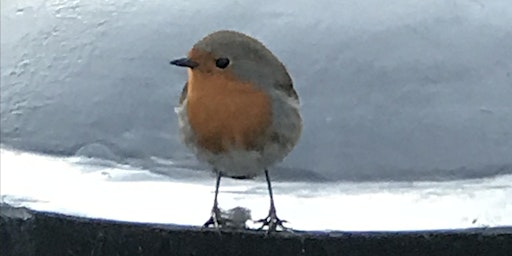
(225, 114)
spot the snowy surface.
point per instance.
(84, 187)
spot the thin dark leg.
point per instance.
(215, 214)
(269, 185)
(272, 221)
(217, 185)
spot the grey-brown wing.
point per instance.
(183, 93)
(287, 88)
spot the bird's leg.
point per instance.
(272, 221)
(215, 214)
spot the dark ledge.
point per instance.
(27, 232)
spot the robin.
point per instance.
(238, 111)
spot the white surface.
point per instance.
(122, 193)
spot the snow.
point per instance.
(80, 187)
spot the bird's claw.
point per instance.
(272, 222)
(215, 219)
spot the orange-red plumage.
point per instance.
(224, 113)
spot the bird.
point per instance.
(238, 111)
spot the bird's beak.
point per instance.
(185, 62)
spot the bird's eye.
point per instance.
(222, 62)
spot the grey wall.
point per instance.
(389, 89)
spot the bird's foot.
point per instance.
(215, 219)
(272, 222)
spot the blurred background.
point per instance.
(389, 90)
